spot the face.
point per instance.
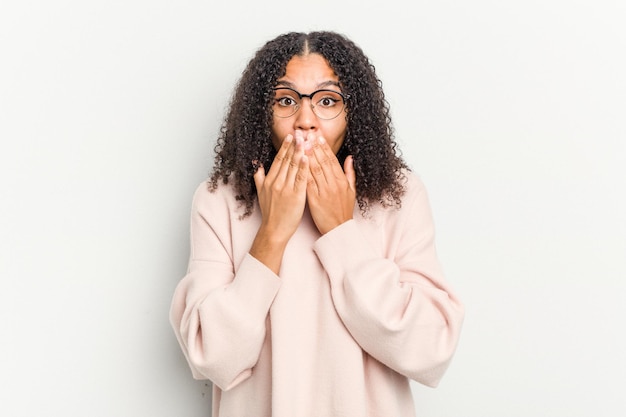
(307, 74)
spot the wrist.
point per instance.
(268, 248)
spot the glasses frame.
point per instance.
(344, 98)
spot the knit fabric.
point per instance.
(352, 316)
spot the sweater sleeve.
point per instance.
(219, 312)
(399, 309)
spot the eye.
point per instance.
(328, 99)
(286, 101)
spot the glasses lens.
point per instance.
(286, 102)
(327, 104)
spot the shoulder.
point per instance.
(414, 190)
(415, 200)
(413, 184)
(213, 199)
(414, 197)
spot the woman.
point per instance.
(313, 286)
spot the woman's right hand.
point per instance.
(282, 197)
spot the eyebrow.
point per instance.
(320, 85)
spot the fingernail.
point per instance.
(321, 140)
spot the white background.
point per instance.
(513, 113)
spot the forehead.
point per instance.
(308, 71)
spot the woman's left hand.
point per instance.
(331, 191)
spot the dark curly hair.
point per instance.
(245, 136)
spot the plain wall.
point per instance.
(512, 113)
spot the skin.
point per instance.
(305, 170)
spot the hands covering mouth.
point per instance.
(308, 140)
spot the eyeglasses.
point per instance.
(326, 104)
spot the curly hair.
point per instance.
(245, 141)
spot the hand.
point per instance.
(331, 191)
(282, 197)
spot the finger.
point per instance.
(259, 177)
(287, 161)
(298, 134)
(315, 167)
(283, 150)
(301, 179)
(295, 164)
(282, 160)
(312, 187)
(308, 141)
(348, 169)
(327, 160)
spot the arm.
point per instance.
(281, 195)
(400, 310)
(219, 311)
(219, 315)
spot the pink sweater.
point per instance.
(353, 315)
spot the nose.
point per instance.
(305, 117)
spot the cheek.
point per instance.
(338, 135)
(337, 144)
(278, 135)
(276, 142)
